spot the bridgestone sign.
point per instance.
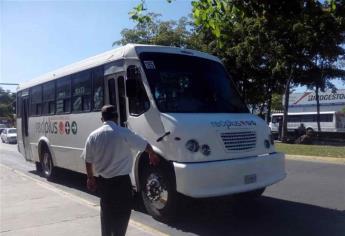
(309, 98)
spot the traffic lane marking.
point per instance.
(81, 200)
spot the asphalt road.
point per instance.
(310, 201)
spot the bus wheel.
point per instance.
(159, 193)
(47, 165)
(38, 166)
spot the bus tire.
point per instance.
(48, 169)
(158, 192)
(38, 166)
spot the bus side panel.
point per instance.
(20, 143)
(35, 132)
(68, 138)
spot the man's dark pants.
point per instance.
(116, 204)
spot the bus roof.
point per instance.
(123, 52)
(304, 113)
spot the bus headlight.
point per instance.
(206, 150)
(192, 145)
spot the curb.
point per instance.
(330, 160)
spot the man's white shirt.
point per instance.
(108, 148)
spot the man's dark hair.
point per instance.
(109, 112)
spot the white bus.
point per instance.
(330, 121)
(182, 101)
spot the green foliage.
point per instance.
(277, 103)
(270, 45)
(179, 33)
(6, 103)
(311, 150)
(138, 13)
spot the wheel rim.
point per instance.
(157, 191)
(47, 165)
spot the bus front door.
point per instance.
(116, 96)
(25, 128)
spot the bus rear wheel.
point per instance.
(48, 168)
(158, 192)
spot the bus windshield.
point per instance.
(186, 84)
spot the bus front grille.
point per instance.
(239, 141)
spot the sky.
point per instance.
(40, 36)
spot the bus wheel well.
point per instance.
(144, 163)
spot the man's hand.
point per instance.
(91, 184)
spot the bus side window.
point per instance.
(140, 103)
(36, 101)
(98, 88)
(49, 98)
(63, 95)
(81, 91)
(19, 105)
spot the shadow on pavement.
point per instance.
(264, 216)
(69, 179)
(225, 216)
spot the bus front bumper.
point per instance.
(220, 178)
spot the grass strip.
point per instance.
(311, 150)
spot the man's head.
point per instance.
(109, 113)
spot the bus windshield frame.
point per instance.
(190, 84)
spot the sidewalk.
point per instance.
(32, 207)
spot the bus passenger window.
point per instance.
(49, 98)
(140, 103)
(98, 88)
(36, 101)
(63, 95)
(19, 105)
(81, 91)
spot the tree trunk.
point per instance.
(269, 104)
(317, 108)
(286, 109)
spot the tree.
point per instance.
(7, 100)
(179, 33)
(269, 45)
(277, 104)
(329, 35)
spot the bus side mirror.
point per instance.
(131, 85)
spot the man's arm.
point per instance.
(154, 159)
(91, 181)
(140, 144)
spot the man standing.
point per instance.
(108, 152)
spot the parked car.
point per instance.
(9, 135)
